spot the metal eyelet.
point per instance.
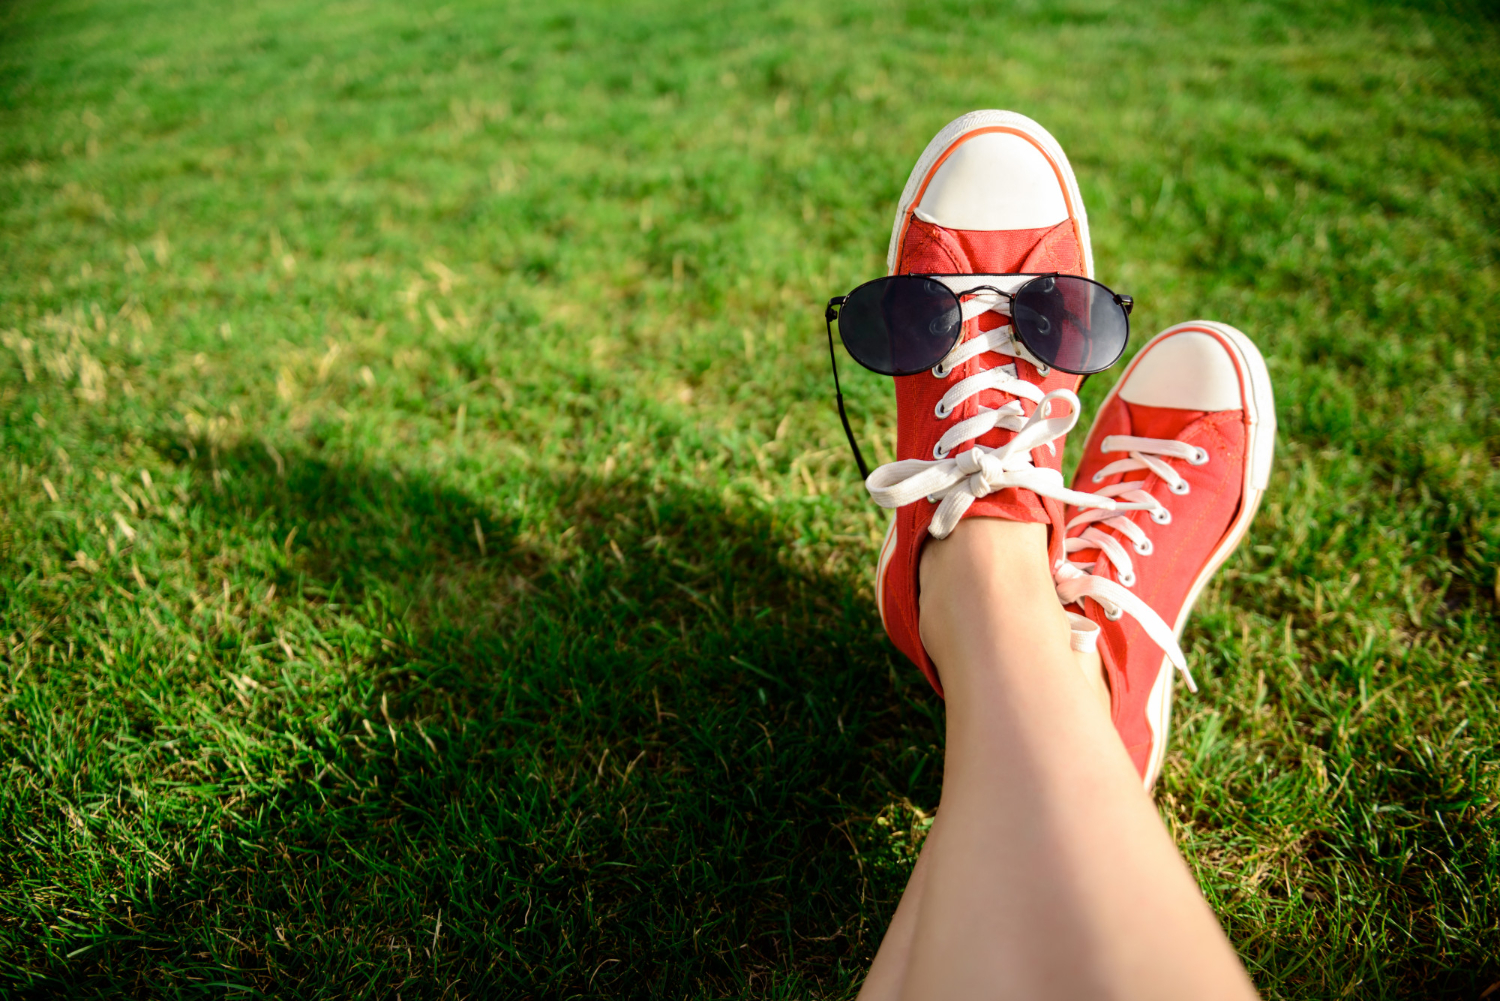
(1161, 516)
(1098, 477)
(937, 451)
(1199, 457)
(1128, 579)
(1180, 488)
(941, 411)
(1114, 614)
(939, 372)
(1145, 548)
(1043, 370)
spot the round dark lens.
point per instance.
(900, 325)
(1071, 323)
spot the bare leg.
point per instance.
(883, 982)
(1047, 873)
(888, 972)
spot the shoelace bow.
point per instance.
(954, 482)
(1076, 581)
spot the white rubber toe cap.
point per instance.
(1187, 371)
(994, 181)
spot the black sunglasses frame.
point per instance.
(831, 313)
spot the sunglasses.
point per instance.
(904, 324)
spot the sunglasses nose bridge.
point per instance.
(975, 303)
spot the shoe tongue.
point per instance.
(933, 249)
(929, 248)
(1050, 249)
(1159, 422)
(1145, 422)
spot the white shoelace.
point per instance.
(1076, 581)
(954, 482)
(957, 481)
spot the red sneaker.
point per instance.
(982, 433)
(1185, 437)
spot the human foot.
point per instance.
(1187, 433)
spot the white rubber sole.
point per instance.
(989, 121)
(1260, 417)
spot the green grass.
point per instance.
(429, 561)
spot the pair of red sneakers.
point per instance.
(1174, 466)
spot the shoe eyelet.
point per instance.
(1127, 579)
(1180, 488)
(939, 371)
(1098, 477)
(1043, 370)
(1199, 457)
(1114, 614)
(937, 451)
(941, 411)
(1145, 548)
(1161, 516)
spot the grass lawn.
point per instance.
(429, 558)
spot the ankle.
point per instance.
(984, 550)
(988, 579)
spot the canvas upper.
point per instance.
(1187, 434)
(992, 194)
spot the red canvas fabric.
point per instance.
(1181, 550)
(931, 249)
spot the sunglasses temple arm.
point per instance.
(838, 394)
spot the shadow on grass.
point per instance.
(599, 739)
(582, 739)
